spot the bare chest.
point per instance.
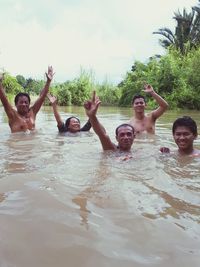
(146, 124)
(22, 123)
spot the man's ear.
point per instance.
(116, 137)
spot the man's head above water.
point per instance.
(125, 135)
(22, 103)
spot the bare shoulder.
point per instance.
(150, 115)
(132, 119)
(32, 113)
(12, 114)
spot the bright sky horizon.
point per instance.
(102, 36)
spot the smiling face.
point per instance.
(139, 104)
(74, 125)
(125, 137)
(184, 139)
(22, 105)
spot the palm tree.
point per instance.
(187, 31)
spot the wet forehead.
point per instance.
(137, 100)
(125, 129)
(23, 99)
(72, 120)
(182, 129)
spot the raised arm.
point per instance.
(163, 105)
(37, 105)
(53, 100)
(7, 106)
(91, 108)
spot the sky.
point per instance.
(104, 37)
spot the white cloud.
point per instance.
(106, 36)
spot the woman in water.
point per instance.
(72, 124)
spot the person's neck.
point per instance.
(23, 114)
(121, 149)
(139, 115)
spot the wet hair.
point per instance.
(138, 96)
(185, 121)
(67, 122)
(20, 95)
(124, 125)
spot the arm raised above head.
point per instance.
(7, 106)
(37, 105)
(163, 105)
(91, 108)
(53, 100)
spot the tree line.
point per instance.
(175, 75)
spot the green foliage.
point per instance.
(33, 87)
(63, 94)
(133, 83)
(21, 80)
(11, 85)
(81, 88)
(174, 76)
(187, 31)
(108, 93)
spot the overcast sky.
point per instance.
(105, 36)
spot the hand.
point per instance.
(164, 150)
(50, 73)
(52, 99)
(148, 88)
(91, 106)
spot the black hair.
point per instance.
(124, 125)
(22, 94)
(187, 122)
(67, 122)
(138, 96)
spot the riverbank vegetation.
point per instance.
(175, 75)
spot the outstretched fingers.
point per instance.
(97, 101)
(93, 96)
(50, 73)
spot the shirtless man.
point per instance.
(184, 131)
(146, 122)
(124, 132)
(23, 118)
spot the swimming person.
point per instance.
(124, 132)
(23, 118)
(184, 132)
(146, 122)
(72, 124)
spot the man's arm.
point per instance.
(163, 105)
(7, 106)
(91, 108)
(37, 105)
(53, 100)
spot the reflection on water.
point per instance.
(65, 202)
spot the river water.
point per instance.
(65, 202)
